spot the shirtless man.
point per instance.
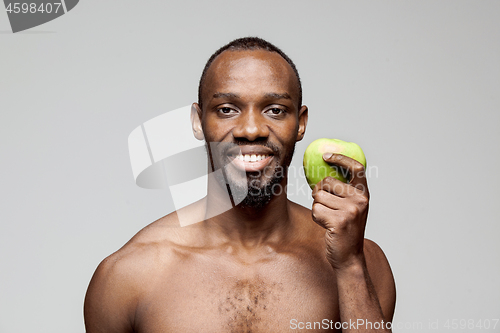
(267, 264)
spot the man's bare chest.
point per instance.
(221, 297)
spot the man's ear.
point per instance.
(303, 114)
(196, 121)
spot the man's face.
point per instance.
(250, 99)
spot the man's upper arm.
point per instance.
(382, 278)
(109, 302)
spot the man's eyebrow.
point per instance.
(267, 95)
(278, 96)
(225, 95)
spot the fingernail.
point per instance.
(327, 156)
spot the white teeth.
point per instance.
(251, 158)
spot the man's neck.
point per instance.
(250, 227)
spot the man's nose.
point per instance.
(251, 125)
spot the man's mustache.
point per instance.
(226, 146)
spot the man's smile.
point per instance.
(252, 163)
(251, 158)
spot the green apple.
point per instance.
(316, 169)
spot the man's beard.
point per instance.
(259, 188)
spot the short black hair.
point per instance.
(248, 43)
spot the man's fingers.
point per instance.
(331, 185)
(356, 170)
(328, 205)
(323, 216)
(337, 188)
(327, 199)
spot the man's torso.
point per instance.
(270, 288)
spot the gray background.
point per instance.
(415, 83)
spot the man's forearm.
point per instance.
(360, 309)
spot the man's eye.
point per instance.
(225, 110)
(276, 111)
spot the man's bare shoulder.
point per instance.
(376, 261)
(307, 225)
(123, 277)
(304, 216)
(154, 244)
(129, 262)
(299, 209)
(381, 276)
